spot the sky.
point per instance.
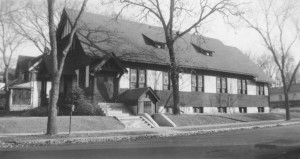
(242, 37)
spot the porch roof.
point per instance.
(132, 96)
(105, 59)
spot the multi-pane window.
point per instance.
(147, 103)
(142, 78)
(133, 79)
(197, 83)
(166, 81)
(260, 89)
(222, 109)
(169, 110)
(261, 109)
(221, 85)
(137, 78)
(198, 109)
(243, 109)
(242, 86)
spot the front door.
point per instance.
(105, 87)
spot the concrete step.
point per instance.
(135, 122)
(118, 114)
(129, 118)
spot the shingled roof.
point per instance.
(132, 96)
(100, 35)
(23, 64)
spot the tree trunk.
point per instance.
(287, 104)
(175, 80)
(6, 81)
(52, 110)
(286, 96)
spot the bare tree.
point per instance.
(275, 31)
(266, 62)
(57, 64)
(9, 41)
(32, 21)
(173, 16)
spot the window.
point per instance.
(166, 81)
(222, 109)
(221, 85)
(142, 78)
(197, 83)
(202, 51)
(147, 103)
(260, 89)
(198, 109)
(260, 109)
(133, 79)
(153, 43)
(243, 109)
(242, 86)
(139, 82)
(169, 110)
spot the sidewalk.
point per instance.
(38, 139)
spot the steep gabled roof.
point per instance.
(100, 35)
(23, 64)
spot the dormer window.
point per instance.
(202, 51)
(153, 43)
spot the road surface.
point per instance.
(266, 143)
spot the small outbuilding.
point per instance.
(140, 100)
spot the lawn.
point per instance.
(201, 119)
(38, 124)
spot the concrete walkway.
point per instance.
(33, 139)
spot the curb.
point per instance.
(82, 140)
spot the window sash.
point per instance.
(200, 83)
(224, 85)
(218, 82)
(242, 86)
(133, 75)
(197, 83)
(142, 78)
(166, 81)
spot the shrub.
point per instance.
(82, 105)
(38, 111)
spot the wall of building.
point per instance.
(214, 110)
(232, 86)
(210, 83)
(154, 80)
(209, 99)
(251, 87)
(185, 82)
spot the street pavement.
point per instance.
(273, 142)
